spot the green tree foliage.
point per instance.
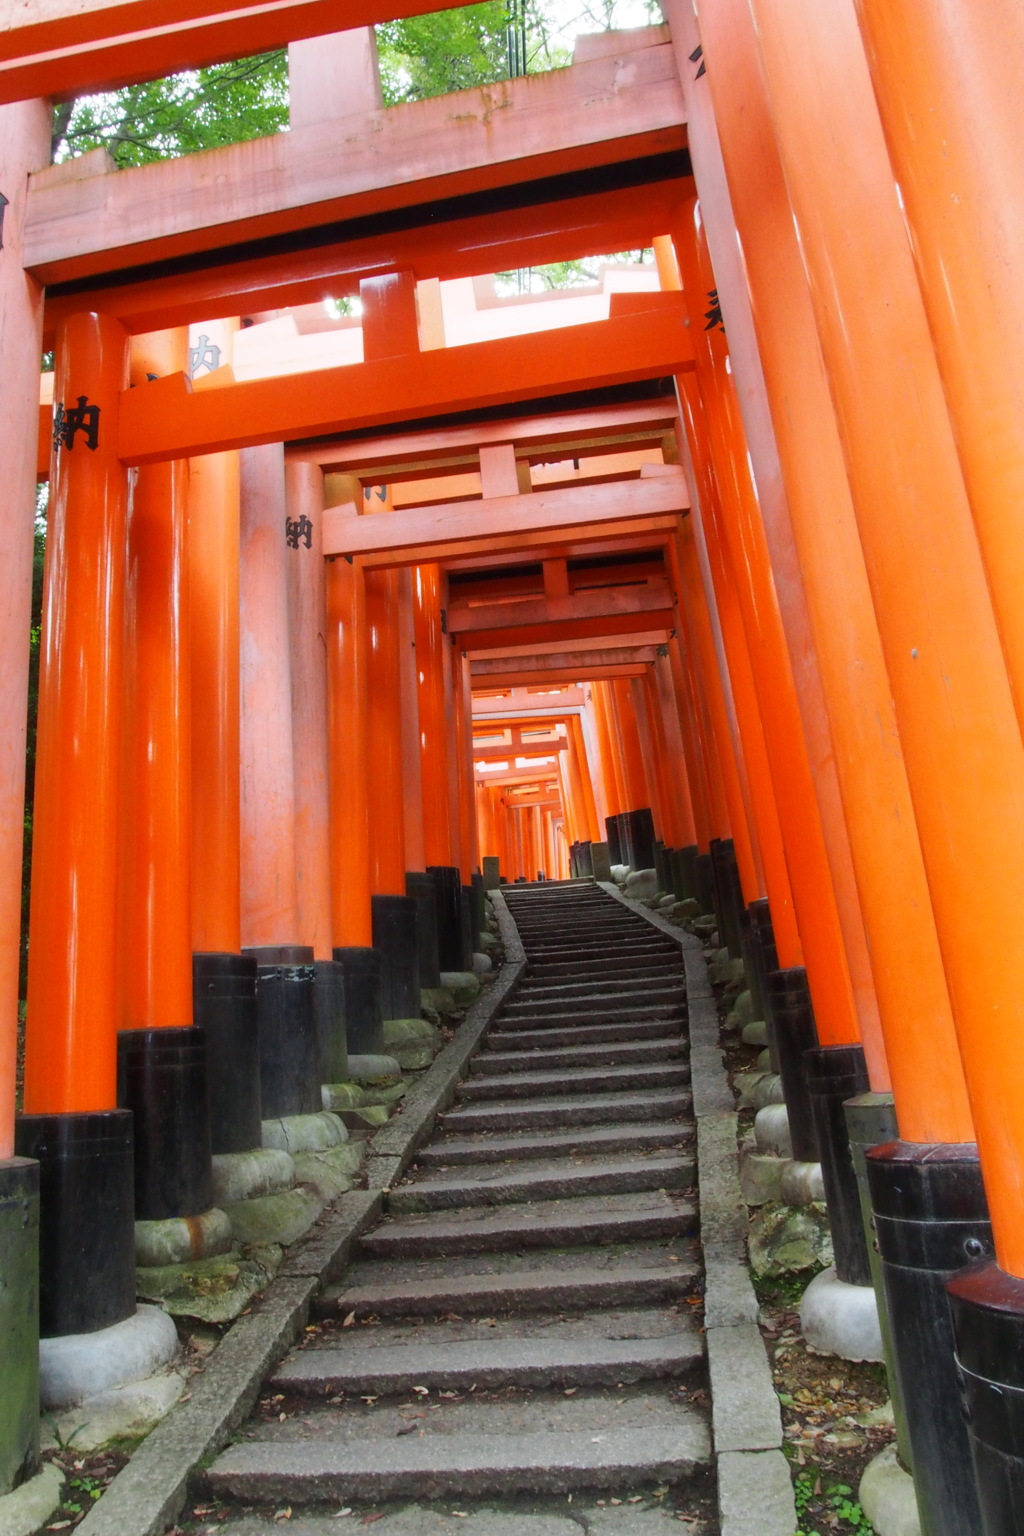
(423, 56)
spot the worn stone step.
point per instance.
(587, 1080)
(668, 1012)
(620, 945)
(608, 1053)
(639, 994)
(612, 967)
(546, 1037)
(492, 1184)
(453, 1151)
(438, 1465)
(589, 986)
(559, 1112)
(518, 1289)
(537, 1224)
(488, 1364)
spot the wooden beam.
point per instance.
(166, 419)
(606, 604)
(644, 639)
(513, 547)
(65, 48)
(577, 662)
(375, 456)
(520, 776)
(305, 268)
(415, 531)
(589, 674)
(593, 114)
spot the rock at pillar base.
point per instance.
(784, 1240)
(175, 1239)
(481, 964)
(642, 884)
(76, 1366)
(841, 1319)
(887, 1496)
(33, 1505)
(463, 986)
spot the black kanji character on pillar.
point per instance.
(713, 316)
(205, 354)
(298, 530)
(82, 417)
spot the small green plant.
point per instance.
(834, 1500)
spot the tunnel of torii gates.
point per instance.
(715, 566)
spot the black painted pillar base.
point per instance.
(329, 1012)
(663, 868)
(477, 908)
(584, 860)
(364, 1013)
(930, 1219)
(161, 1079)
(448, 896)
(988, 1325)
(640, 838)
(420, 886)
(611, 828)
(224, 1004)
(795, 1034)
(836, 1073)
(467, 928)
(705, 884)
(728, 896)
(290, 1076)
(394, 936)
(19, 1321)
(86, 1218)
(689, 883)
(871, 1122)
(765, 959)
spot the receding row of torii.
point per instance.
(840, 612)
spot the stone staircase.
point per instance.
(524, 1324)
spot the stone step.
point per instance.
(437, 1465)
(453, 1151)
(639, 995)
(588, 986)
(669, 1012)
(519, 1288)
(557, 1113)
(490, 1363)
(609, 1053)
(621, 947)
(612, 968)
(493, 1184)
(538, 1224)
(500, 1039)
(522, 1085)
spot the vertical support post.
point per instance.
(434, 724)
(307, 629)
(87, 1246)
(24, 147)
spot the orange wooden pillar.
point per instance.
(578, 751)
(24, 147)
(710, 589)
(347, 740)
(213, 566)
(70, 1056)
(648, 756)
(434, 725)
(307, 626)
(954, 703)
(463, 762)
(634, 780)
(412, 761)
(676, 756)
(269, 890)
(71, 1037)
(916, 1018)
(742, 533)
(608, 749)
(154, 886)
(384, 735)
(947, 84)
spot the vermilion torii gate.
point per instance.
(836, 689)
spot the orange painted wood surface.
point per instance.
(633, 344)
(599, 113)
(559, 511)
